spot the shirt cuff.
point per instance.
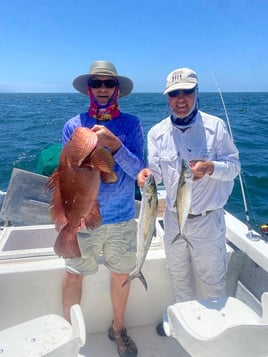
(219, 170)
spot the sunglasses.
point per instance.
(175, 93)
(97, 83)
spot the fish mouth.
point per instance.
(86, 161)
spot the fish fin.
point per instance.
(128, 280)
(102, 159)
(93, 219)
(176, 238)
(110, 177)
(142, 279)
(187, 241)
(134, 275)
(56, 209)
(52, 213)
(53, 181)
(182, 236)
(66, 245)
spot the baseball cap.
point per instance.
(181, 78)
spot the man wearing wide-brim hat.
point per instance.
(103, 68)
(122, 134)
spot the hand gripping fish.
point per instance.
(146, 227)
(183, 198)
(75, 186)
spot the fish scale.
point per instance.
(75, 185)
(146, 227)
(183, 198)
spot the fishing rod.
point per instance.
(250, 233)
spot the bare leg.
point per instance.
(119, 297)
(71, 292)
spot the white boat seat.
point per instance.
(49, 335)
(219, 327)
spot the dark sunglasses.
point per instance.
(175, 93)
(97, 83)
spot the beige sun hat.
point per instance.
(181, 78)
(103, 68)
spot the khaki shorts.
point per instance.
(117, 243)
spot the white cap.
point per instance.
(181, 78)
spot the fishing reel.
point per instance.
(264, 231)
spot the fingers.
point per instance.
(82, 224)
(106, 138)
(201, 168)
(142, 175)
(96, 128)
(60, 223)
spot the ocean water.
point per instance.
(31, 122)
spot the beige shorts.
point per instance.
(115, 243)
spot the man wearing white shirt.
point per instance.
(197, 264)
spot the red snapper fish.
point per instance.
(75, 186)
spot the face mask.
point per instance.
(190, 116)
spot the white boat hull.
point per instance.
(34, 279)
(31, 276)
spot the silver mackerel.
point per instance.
(146, 227)
(183, 198)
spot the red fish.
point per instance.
(75, 186)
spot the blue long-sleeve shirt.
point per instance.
(117, 200)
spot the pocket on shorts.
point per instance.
(120, 248)
(129, 241)
(122, 239)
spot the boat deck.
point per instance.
(149, 344)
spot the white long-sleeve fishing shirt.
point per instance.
(206, 139)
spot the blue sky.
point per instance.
(45, 44)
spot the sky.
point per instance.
(45, 44)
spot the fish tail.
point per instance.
(134, 275)
(182, 236)
(142, 279)
(176, 238)
(66, 245)
(187, 241)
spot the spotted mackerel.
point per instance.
(146, 227)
